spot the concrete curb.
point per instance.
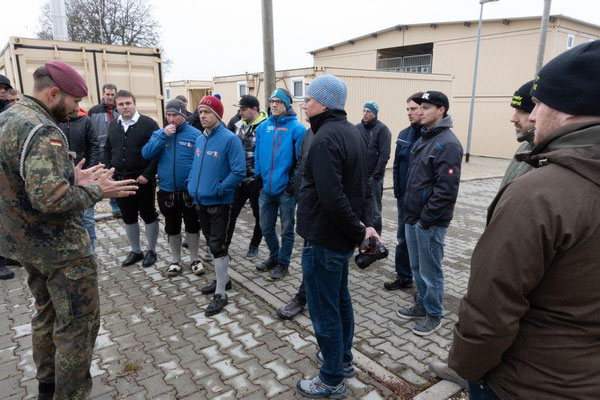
(440, 391)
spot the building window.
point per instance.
(570, 41)
(242, 88)
(414, 58)
(298, 87)
(168, 91)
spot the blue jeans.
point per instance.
(426, 251)
(377, 192)
(481, 392)
(325, 274)
(268, 207)
(88, 223)
(403, 271)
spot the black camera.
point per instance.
(370, 251)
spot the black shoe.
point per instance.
(277, 273)
(132, 258)
(150, 259)
(396, 284)
(210, 289)
(6, 273)
(7, 261)
(267, 265)
(216, 305)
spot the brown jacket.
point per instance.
(530, 322)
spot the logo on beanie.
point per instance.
(516, 100)
(537, 78)
(425, 96)
(274, 92)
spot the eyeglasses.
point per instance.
(278, 102)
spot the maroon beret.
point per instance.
(66, 78)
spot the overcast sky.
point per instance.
(224, 37)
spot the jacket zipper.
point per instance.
(272, 159)
(201, 164)
(174, 161)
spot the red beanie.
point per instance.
(213, 104)
(66, 78)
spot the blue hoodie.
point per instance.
(219, 167)
(175, 156)
(278, 141)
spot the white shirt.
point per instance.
(127, 124)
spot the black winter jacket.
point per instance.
(433, 177)
(194, 120)
(123, 150)
(378, 139)
(404, 144)
(333, 198)
(82, 139)
(306, 141)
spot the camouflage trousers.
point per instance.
(65, 325)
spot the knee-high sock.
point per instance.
(133, 235)
(221, 265)
(152, 235)
(193, 240)
(175, 245)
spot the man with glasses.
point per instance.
(278, 142)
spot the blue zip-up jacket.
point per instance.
(433, 177)
(175, 156)
(278, 141)
(219, 167)
(404, 144)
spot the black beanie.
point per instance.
(570, 82)
(522, 99)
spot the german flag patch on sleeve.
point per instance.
(54, 142)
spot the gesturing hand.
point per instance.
(112, 189)
(87, 176)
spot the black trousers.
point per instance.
(214, 222)
(244, 192)
(141, 203)
(175, 206)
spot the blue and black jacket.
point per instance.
(433, 177)
(175, 156)
(404, 144)
(218, 168)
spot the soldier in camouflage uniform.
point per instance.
(42, 195)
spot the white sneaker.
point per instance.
(174, 269)
(198, 268)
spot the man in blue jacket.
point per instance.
(174, 147)
(278, 142)
(218, 168)
(429, 199)
(406, 140)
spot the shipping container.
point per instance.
(137, 69)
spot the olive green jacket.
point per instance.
(40, 204)
(517, 168)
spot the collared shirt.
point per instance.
(127, 124)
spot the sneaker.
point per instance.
(416, 311)
(6, 273)
(174, 269)
(252, 252)
(290, 310)
(349, 371)
(197, 267)
(396, 284)
(267, 265)
(216, 305)
(279, 272)
(210, 289)
(315, 388)
(427, 326)
(116, 211)
(443, 371)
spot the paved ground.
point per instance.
(155, 341)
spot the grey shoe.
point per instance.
(279, 272)
(416, 311)
(290, 310)
(267, 265)
(443, 371)
(315, 388)
(252, 252)
(427, 325)
(6, 273)
(349, 371)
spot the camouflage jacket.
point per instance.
(40, 204)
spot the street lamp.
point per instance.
(482, 2)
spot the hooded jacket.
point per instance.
(433, 176)
(82, 139)
(218, 167)
(530, 322)
(404, 144)
(518, 168)
(175, 156)
(101, 118)
(378, 139)
(278, 142)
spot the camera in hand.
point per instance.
(370, 251)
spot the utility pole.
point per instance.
(543, 34)
(268, 49)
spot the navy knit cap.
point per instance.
(522, 99)
(328, 90)
(570, 82)
(373, 106)
(281, 95)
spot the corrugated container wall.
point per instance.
(136, 69)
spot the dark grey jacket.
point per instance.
(378, 139)
(101, 119)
